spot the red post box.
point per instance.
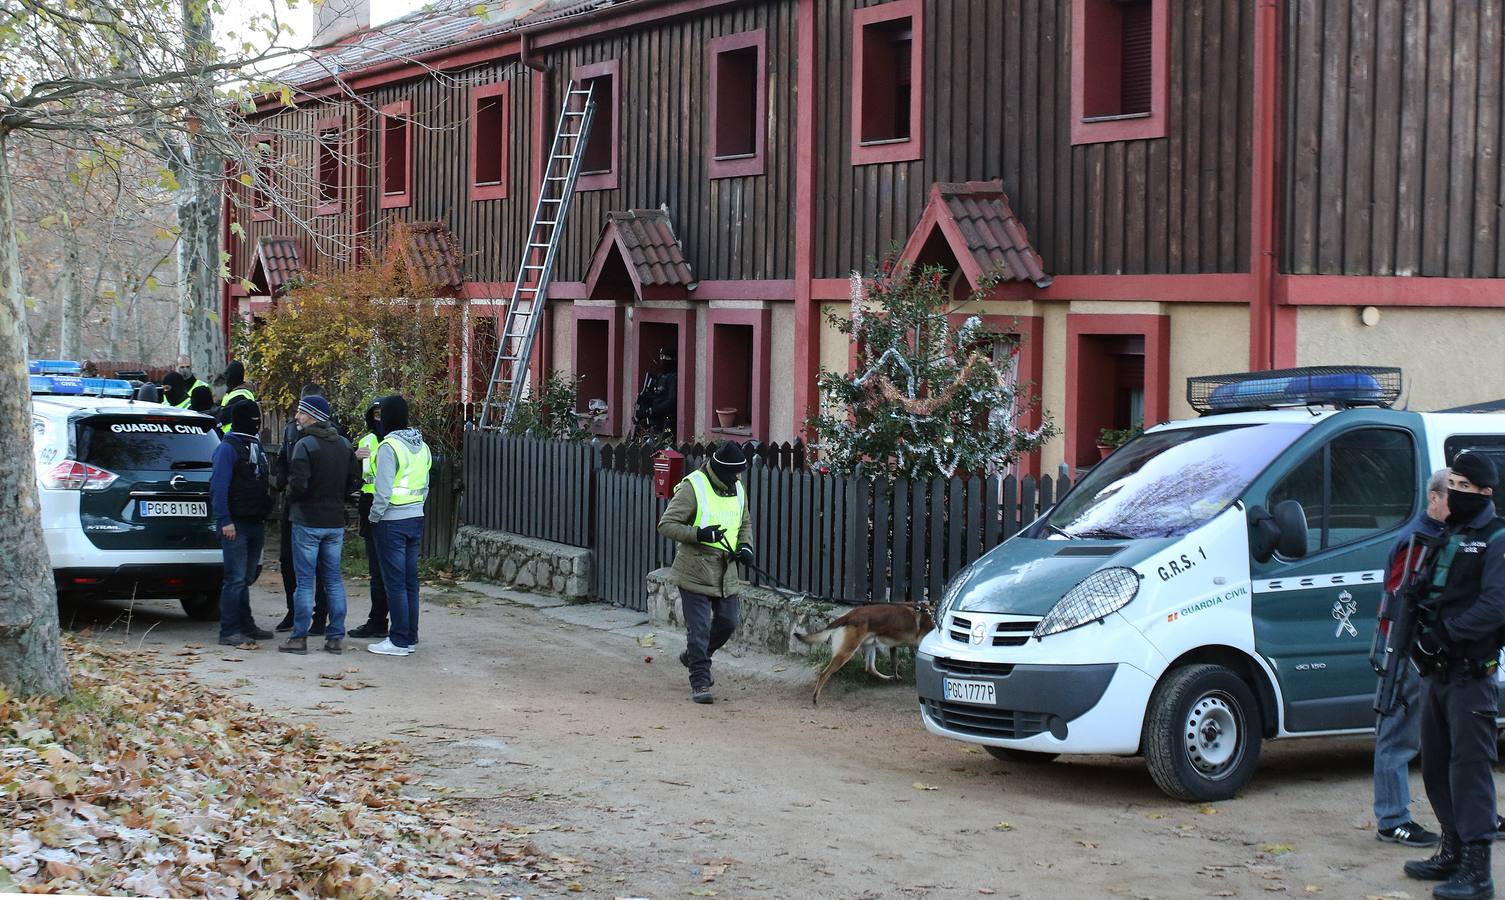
(668, 472)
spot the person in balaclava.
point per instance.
(1461, 627)
(365, 450)
(174, 390)
(400, 485)
(240, 499)
(710, 519)
(235, 392)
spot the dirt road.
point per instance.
(571, 729)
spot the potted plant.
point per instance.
(1110, 439)
(726, 416)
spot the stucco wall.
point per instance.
(1448, 356)
(780, 369)
(1206, 339)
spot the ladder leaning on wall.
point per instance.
(514, 349)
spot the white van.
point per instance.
(1212, 583)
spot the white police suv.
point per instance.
(124, 487)
(1212, 583)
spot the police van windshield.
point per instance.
(1166, 483)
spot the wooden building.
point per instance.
(1166, 187)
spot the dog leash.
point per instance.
(789, 592)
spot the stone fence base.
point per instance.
(527, 564)
(769, 619)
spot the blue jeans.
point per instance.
(397, 547)
(1397, 738)
(241, 557)
(316, 555)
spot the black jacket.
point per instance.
(1471, 602)
(321, 473)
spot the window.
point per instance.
(1362, 483)
(736, 394)
(488, 141)
(598, 163)
(263, 154)
(395, 141)
(331, 172)
(738, 110)
(1491, 445)
(1119, 69)
(886, 82)
(598, 365)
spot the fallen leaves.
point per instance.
(151, 786)
(922, 786)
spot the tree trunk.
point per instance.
(72, 294)
(118, 313)
(199, 321)
(31, 653)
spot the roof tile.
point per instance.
(648, 241)
(994, 236)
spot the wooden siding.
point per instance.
(489, 232)
(997, 105)
(731, 228)
(1392, 138)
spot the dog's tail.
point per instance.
(816, 637)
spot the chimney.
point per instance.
(338, 19)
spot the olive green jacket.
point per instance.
(697, 567)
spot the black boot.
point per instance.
(1471, 880)
(1442, 864)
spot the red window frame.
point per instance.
(905, 149)
(1087, 63)
(261, 176)
(1156, 331)
(615, 317)
(611, 68)
(759, 320)
(321, 128)
(403, 110)
(741, 165)
(493, 190)
(1029, 332)
(684, 352)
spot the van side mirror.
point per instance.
(1290, 518)
(1284, 530)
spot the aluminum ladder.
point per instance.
(530, 290)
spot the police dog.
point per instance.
(867, 628)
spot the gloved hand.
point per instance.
(710, 534)
(745, 555)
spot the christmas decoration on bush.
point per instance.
(927, 398)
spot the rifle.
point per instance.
(1396, 632)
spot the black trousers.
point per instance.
(1458, 753)
(709, 623)
(378, 615)
(290, 576)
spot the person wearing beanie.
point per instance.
(710, 520)
(400, 484)
(235, 392)
(290, 435)
(1461, 628)
(240, 499)
(365, 450)
(322, 472)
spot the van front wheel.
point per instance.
(1202, 733)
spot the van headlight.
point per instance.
(1094, 597)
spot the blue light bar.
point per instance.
(1340, 386)
(73, 386)
(109, 387)
(54, 367)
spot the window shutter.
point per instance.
(1134, 84)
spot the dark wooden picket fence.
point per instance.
(846, 538)
(440, 510)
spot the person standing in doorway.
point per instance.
(365, 451)
(323, 471)
(401, 484)
(240, 497)
(708, 517)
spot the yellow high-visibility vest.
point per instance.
(369, 442)
(229, 396)
(412, 479)
(713, 509)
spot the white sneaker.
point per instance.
(387, 648)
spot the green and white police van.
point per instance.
(1211, 584)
